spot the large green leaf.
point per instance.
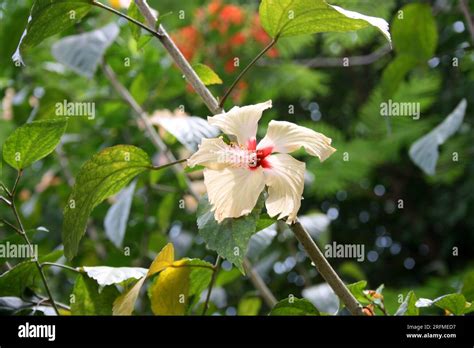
(231, 237)
(23, 275)
(49, 17)
(178, 288)
(32, 142)
(454, 303)
(105, 174)
(414, 32)
(89, 299)
(296, 17)
(294, 306)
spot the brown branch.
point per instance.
(469, 18)
(325, 269)
(259, 284)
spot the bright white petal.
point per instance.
(286, 137)
(242, 122)
(285, 181)
(233, 192)
(211, 154)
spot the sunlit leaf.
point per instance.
(105, 275)
(408, 306)
(207, 75)
(249, 306)
(33, 141)
(282, 18)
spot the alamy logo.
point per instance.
(391, 108)
(37, 331)
(70, 109)
(345, 251)
(20, 251)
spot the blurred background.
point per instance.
(417, 229)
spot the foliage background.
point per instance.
(409, 248)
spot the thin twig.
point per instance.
(243, 72)
(211, 284)
(169, 164)
(259, 284)
(4, 200)
(53, 264)
(469, 19)
(325, 269)
(12, 226)
(22, 232)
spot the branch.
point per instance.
(259, 284)
(469, 20)
(325, 269)
(179, 59)
(22, 232)
(331, 62)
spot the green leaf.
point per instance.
(282, 18)
(294, 306)
(33, 141)
(49, 17)
(249, 306)
(90, 299)
(207, 75)
(231, 237)
(454, 303)
(357, 289)
(408, 306)
(23, 275)
(105, 174)
(178, 288)
(395, 73)
(414, 32)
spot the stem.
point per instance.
(22, 232)
(52, 264)
(259, 284)
(325, 269)
(123, 15)
(469, 20)
(11, 225)
(169, 164)
(243, 72)
(211, 284)
(179, 59)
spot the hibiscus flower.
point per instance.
(235, 174)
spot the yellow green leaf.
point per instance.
(125, 303)
(164, 259)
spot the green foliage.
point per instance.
(103, 175)
(207, 75)
(249, 306)
(90, 299)
(229, 238)
(23, 275)
(32, 142)
(291, 17)
(49, 17)
(294, 306)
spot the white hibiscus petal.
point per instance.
(211, 154)
(286, 137)
(233, 192)
(285, 181)
(242, 122)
